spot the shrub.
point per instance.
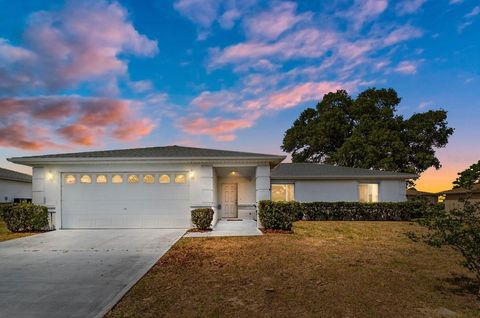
(202, 218)
(278, 215)
(24, 217)
(281, 215)
(356, 211)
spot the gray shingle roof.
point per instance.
(321, 171)
(157, 152)
(6, 174)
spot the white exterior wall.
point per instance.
(344, 190)
(10, 190)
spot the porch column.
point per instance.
(262, 186)
(207, 187)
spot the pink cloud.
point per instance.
(406, 67)
(79, 134)
(409, 6)
(268, 25)
(306, 43)
(402, 34)
(293, 96)
(364, 11)
(78, 120)
(131, 130)
(22, 136)
(81, 42)
(218, 128)
(201, 12)
(207, 100)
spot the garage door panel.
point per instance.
(125, 205)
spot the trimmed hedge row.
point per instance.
(24, 217)
(202, 218)
(281, 215)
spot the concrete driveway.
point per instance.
(76, 273)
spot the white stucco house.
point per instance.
(15, 186)
(157, 187)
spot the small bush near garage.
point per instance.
(278, 215)
(24, 217)
(202, 218)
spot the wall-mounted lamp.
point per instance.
(234, 173)
(191, 174)
(50, 176)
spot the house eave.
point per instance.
(33, 162)
(357, 177)
(16, 180)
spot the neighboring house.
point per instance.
(414, 194)
(157, 187)
(15, 186)
(452, 198)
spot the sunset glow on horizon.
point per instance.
(90, 75)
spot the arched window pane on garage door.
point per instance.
(164, 178)
(70, 179)
(86, 179)
(148, 178)
(117, 179)
(101, 178)
(133, 178)
(180, 178)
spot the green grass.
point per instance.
(324, 269)
(6, 235)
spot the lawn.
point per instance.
(6, 235)
(325, 269)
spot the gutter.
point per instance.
(343, 177)
(39, 161)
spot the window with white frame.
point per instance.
(283, 192)
(368, 192)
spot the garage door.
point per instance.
(125, 200)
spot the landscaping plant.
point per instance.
(202, 218)
(24, 217)
(458, 228)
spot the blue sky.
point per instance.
(85, 75)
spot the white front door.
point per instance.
(229, 200)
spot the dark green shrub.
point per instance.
(281, 215)
(24, 217)
(278, 215)
(202, 218)
(356, 211)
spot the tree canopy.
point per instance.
(468, 177)
(366, 132)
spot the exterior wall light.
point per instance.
(50, 176)
(191, 174)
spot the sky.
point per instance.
(232, 74)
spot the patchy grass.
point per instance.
(324, 269)
(6, 235)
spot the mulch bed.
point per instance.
(198, 230)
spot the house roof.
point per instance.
(415, 192)
(167, 152)
(475, 189)
(322, 171)
(6, 174)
